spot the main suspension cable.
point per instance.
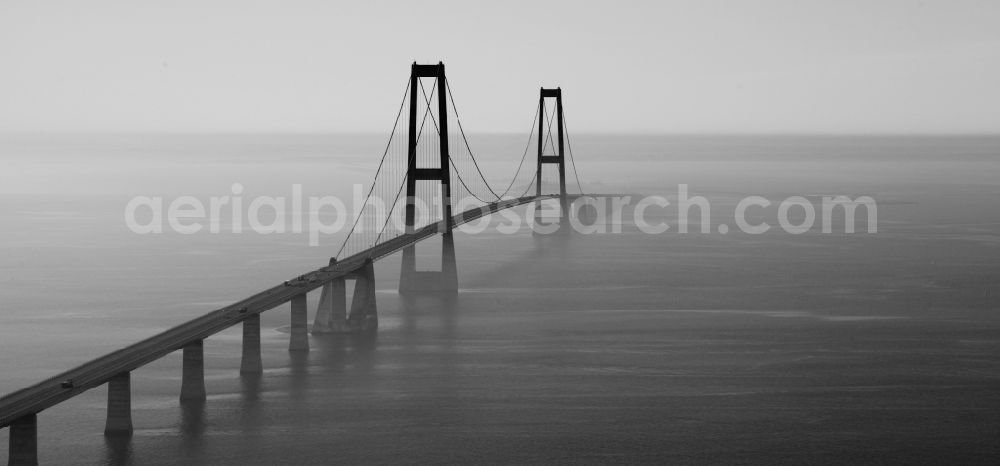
(381, 162)
(528, 188)
(571, 159)
(388, 215)
(527, 146)
(450, 159)
(466, 141)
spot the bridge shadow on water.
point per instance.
(192, 427)
(120, 449)
(117, 449)
(545, 249)
(421, 313)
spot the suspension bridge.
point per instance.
(410, 200)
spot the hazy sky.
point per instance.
(692, 66)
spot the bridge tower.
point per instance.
(410, 279)
(558, 158)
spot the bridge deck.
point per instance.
(50, 392)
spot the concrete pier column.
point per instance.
(321, 323)
(449, 270)
(24, 441)
(364, 312)
(331, 312)
(408, 270)
(193, 380)
(251, 346)
(119, 405)
(299, 340)
(445, 280)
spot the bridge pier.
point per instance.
(446, 280)
(331, 312)
(299, 340)
(23, 448)
(119, 420)
(251, 363)
(558, 158)
(193, 375)
(364, 312)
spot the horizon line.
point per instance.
(503, 133)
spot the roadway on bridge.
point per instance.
(50, 392)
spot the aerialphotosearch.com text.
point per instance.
(319, 216)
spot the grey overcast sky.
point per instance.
(657, 66)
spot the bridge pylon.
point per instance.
(410, 279)
(558, 159)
